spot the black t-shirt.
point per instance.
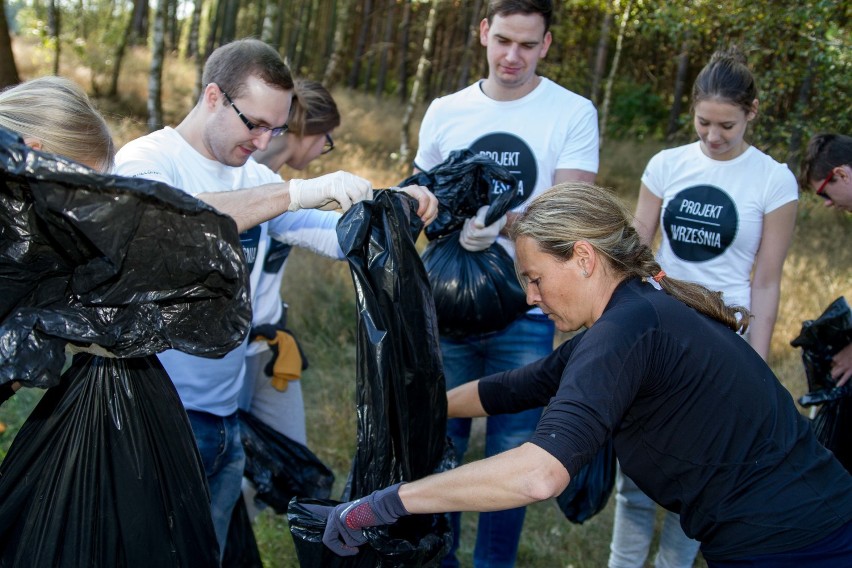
(699, 422)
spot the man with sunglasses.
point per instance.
(827, 169)
(245, 103)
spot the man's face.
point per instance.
(838, 188)
(514, 45)
(226, 137)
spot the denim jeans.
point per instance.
(527, 339)
(633, 530)
(218, 440)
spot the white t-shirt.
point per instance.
(312, 229)
(712, 214)
(207, 385)
(549, 129)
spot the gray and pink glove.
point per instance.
(344, 523)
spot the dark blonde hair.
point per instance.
(57, 112)
(571, 212)
(313, 110)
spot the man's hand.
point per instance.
(475, 236)
(427, 208)
(841, 365)
(344, 523)
(329, 192)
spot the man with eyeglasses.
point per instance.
(244, 104)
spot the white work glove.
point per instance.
(475, 236)
(328, 192)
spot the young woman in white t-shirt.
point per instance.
(726, 212)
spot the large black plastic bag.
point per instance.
(105, 473)
(589, 490)
(281, 468)
(475, 292)
(401, 396)
(820, 340)
(131, 265)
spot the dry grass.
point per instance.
(321, 296)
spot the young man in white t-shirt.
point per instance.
(544, 134)
(245, 101)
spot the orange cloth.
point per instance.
(288, 361)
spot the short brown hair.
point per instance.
(510, 7)
(232, 64)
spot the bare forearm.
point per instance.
(515, 478)
(463, 401)
(764, 309)
(252, 206)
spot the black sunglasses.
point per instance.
(274, 130)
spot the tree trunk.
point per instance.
(794, 149)
(470, 41)
(126, 39)
(355, 72)
(387, 42)
(306, 33)
(331, 74)
(53, 29)
(140, 21)
(600, 57)
(229, 22)
(625, 16)
(155, 79)
(192, 47)
(8, 69)
(679, 87)
(403, 51)
(422, 64)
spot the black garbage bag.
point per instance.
(241, 547)
(401, 393)
(588, 492)
(833, 428)
(130, 265)
(105, 472)
(820, 340)
(281, 468)
(475, 292)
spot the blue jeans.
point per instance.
(218, 440)
(527, 339)
(633, 530)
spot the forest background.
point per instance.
(385, 60)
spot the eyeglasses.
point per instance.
(821, 189)
(328, 146)
(274, 130)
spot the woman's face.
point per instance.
(554, 285)
(721, 126)
(307, 149)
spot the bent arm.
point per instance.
(514, 478)
(841, 365)
(646, 220)
(777, 233)
(251, 206)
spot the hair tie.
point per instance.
(659, 276)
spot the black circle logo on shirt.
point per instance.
(513, 154)
(701, 223)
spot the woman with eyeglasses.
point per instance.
(827, 169)
(313, 118)
(726, 212)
